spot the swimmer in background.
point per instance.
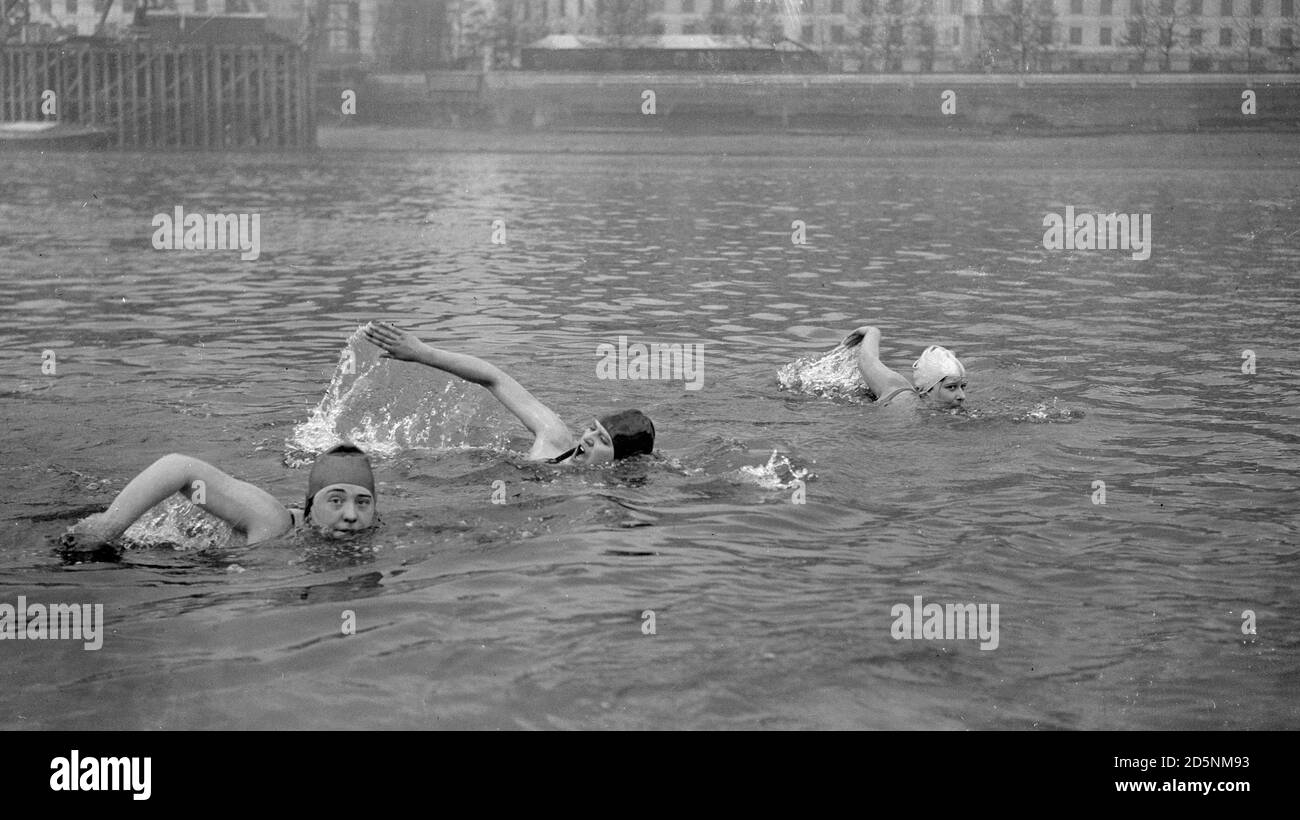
(340, 500)
(610, 438)
(938, 378)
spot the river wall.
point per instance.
(741, 103)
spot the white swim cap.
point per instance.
(935, 365)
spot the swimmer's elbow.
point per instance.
(177, 461)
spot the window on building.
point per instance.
(344, 27)
(896, 35)
(717, 7)
(1285, 38)
(47, 6)
(837, 35)
(1194, 7)
(812, 6)
(954, 6)
(70, 6)
(1225, 8)
(1107, 8)
(1103, 38)
(688, 6)
(1167, 7)
(1076, 6)
(546, 9)
(1196, 36)
(989, 7)
(1257, 7)
(837, 6)
(1135, 8)
(200, 6)
(564, 11)
(1257, 37)
(927, 36)
(1134, 33)
(1076, 36)
(956, 35)
(807, 33)
(867, 7)
(1288, 8)
(1225, 36)
(1045, 35)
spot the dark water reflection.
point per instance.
(768, 613)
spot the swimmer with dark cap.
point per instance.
(340, 499)
(938, 378)
(609, 438)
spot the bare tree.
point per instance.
(1247, 24)
(1024, 30)
(888, 32)
(759, 20)
(926, 34)
(1158, 27)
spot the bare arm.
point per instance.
(880, 379)
(245, 507)
(540, 420)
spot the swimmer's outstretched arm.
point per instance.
(243, 506)
(541, 421)
(878, 377)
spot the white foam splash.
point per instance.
(831, 374)
(1043, 414)
(385, 407)
(777, 474)
(176, 522)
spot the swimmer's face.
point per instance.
(951, 392)
(342, 510)
(594, 446)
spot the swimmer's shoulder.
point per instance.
(898, 398)
(547, 446)
(297, 517)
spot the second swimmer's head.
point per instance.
(613, 437)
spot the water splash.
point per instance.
(777, 474)
(1042, 414)
(833, 374)
(385, 407)
(175, 522)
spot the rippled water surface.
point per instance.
(1083, 367)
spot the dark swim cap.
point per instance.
(342, 464)
(631, 431)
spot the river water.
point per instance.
(779, 525)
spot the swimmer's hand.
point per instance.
(88, 534)
(396, 343)
(855, 338)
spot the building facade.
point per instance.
(852, 35)
(976, 35)
(345, 28)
